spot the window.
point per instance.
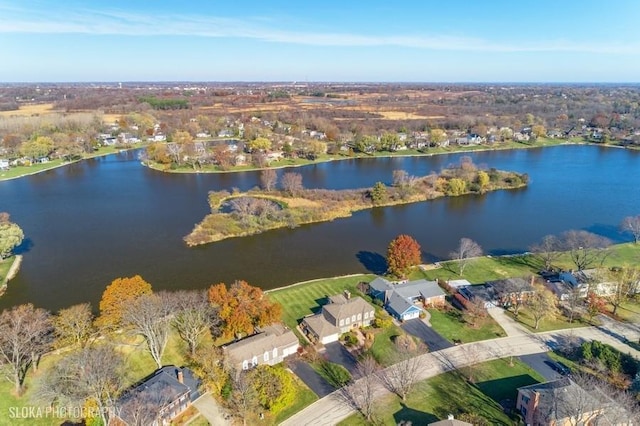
(359, 317)
(346, 321)
(366, 315)
(353, 318)
(266, 356)
(371, 314)
(275, 352)
(245, 365)
(254, 361)
(341, 322)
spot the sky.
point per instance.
(328, 40)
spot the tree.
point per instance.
(268, 179)
(24, 336)
(437, 136)
(292, 183)
(404, 183)
(11, 236)
(403, 254)
(74, 325)
(149, 317)
(91, 374)
(595, 305)
(467, 250)
(259, 144)
(456, 186)
(193, 316)
(541, 304)
(585, 248)
(243, 401)
(117, 295)
(632, 224)
(621, 284)
(548, 250)
(512, 292)
(378, 193)
(573, 302)
(242, 308)
(38, 147)
(208, 363)
(538, 131)
(361, 393)
(407, 364)
(474, 312)
(483, 180)
(273, 386)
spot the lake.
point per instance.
(93, 221)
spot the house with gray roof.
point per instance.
(270, 345)
(158, 398)
(341, 314)
(406, 300)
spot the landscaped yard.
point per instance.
(450, 325)
(628, 311)
(451, 393)
(304, 299)
(557, 322)
(383, 348)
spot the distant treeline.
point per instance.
(164, 104)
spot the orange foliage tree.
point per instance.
(403, 253)
(117, 295)
(242, 307)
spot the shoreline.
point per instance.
(11, 273)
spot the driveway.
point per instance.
(508, 324)
(310, 378)
(537, 362)
(211, 411)
(434, 341)
(338, 354)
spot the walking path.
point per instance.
(331, 409)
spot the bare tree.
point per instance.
(475, 311)
(243, 401)
(74, 325)
(361, 393)
(542, 304)
(585, 248)
(512, 292)
(25, 333)
(268, 179)
(92, 373)
(193, 316)
(404, 183)
(292, 183)
(548, 250)
(407, 363)
(466, 250)
(632, 224)
(149, 317)
(573, 303)
(621, 284)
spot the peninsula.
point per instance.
(252, 212)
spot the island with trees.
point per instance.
(252, 212)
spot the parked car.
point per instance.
(558, 367)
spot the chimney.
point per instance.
(180, 376)
(347, 294)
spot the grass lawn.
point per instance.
(557, 322)
(451, 326)
(383, 349)
(485, 269)
(628, 311)
(301, 300)
(450, 393)
(5, 265)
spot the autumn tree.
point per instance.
(259, 144)
(149, 317)
(193, 317)
(403, 254)
(632, 224)
(117, 295)
(11, 236)
(541, 304)
(243, 401)
(268, 179)
(39, 147)
(74, 325)
(548, 250)
(456, 186)
(292, 183)
(242, 308)
(93, 374)
(585, 248)
(467, 250)
(483, 180)
(24, 336)
(437, 136)
(209, 363)
(595, 305)
(273, 385)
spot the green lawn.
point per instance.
(301, 300)
(451, 393)
(383, 349)
(451, 326)
(628, 311)
(557, 322)
(485, 269)
(5, 265)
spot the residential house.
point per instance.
(4, 164)
(511, 290)
(587, 280)
(563, 402)
(341, 314)
(270, 345)
(484, 292)
(407, 300)
(157, 399)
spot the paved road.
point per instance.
(332, 409)
(428, 335)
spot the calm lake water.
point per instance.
(91, 222)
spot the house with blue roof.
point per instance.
(407, 300)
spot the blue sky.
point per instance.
(348, 40)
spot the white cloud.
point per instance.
(114, 22)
